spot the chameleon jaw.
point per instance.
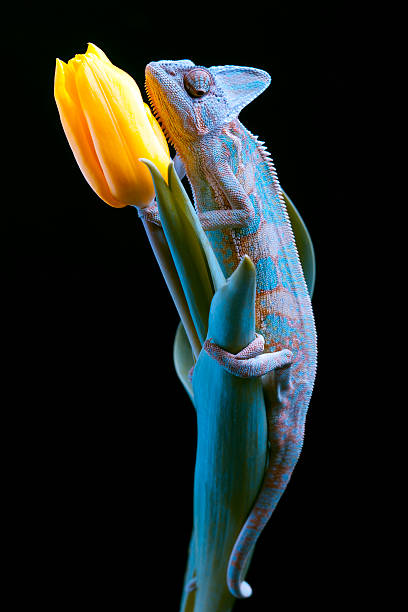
(158, 78)
(157, 115)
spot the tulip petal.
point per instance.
(109, 128)
(154, 139)
(120, 130)
(77, 132)
(94, 50)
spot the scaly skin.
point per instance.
(239, 202)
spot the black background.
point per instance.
(101, 435)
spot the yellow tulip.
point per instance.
(109, 127)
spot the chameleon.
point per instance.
(240, 205)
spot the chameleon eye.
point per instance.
(197, 82)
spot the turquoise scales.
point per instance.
(241, 207)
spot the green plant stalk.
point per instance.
(232, 441)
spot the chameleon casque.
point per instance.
(240, 206)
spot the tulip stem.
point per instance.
(163, 256)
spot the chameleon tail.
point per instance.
(247, 539)
(281, 465)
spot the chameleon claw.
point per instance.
(192, 585)
(150, 213)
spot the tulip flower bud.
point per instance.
(109, 127)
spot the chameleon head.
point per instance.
(192, 101)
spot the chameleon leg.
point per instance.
(251, 361)
(226, 219)
(214, 219)
(235, 208)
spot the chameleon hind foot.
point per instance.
(251, 361)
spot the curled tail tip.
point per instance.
(241, 591)
(245, 590)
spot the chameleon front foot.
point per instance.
(150, 213)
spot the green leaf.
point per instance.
(183, 201)
(199, 272)
(183, 359)
(303, 243)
